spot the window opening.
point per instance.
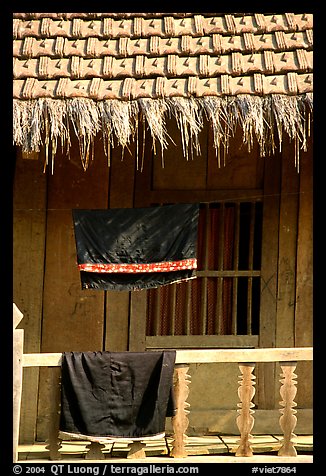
(224, 299)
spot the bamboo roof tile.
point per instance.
(160, 56)
(81, 46)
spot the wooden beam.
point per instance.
(244, 355)
(44, 359)
(285, 354)
(200, 341)
(203, 196)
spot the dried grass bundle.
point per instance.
(251, 118)
(188, 114)
(118, 119)
(43, 122)
(154, 111)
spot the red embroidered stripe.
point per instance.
(139, 267)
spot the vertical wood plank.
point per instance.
(268, 286)
(53, 441)
(287, 250)
(303, 326)
(137, 325)
(117, 320)
(29, 224)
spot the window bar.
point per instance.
(157, 316)
(172, 306)
(188, 308)
(250, 267)
(203, 309)
(219, 306)
(236, 268)
(157, 307)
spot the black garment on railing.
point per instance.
(116, 394)
(136, 248)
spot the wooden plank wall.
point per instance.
(286, 285)
(29, 231)
(59, 316)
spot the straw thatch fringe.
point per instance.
(46, 122)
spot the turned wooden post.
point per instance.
(94, 451)
(136, 450)
(18, 346)
(245, 420)
(53, 441)
(288, 420)
(180, 421)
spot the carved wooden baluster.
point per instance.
(136, 450)
(94, 451)
(180, 421)
(288, 420)
(53, 441)
(245, 420)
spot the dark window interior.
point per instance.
(224, 298)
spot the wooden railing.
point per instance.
(246, 359)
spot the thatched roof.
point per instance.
(105, 73)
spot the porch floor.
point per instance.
(203, 449)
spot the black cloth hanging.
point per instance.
(136, 248)
(116, 394)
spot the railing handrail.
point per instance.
(188, 356)
(246, 358)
